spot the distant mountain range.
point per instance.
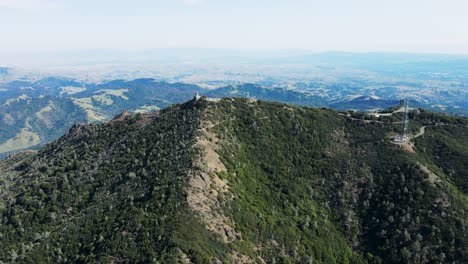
(4, 70)
(35, 112)
(368, 103)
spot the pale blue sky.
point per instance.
(339, 25)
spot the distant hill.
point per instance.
(4, 70)
(77, 102)
(271, 94)
(240, 181)
(33, 114)
(363, 103)
(26, 122)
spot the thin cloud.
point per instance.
(29, 4)
(193, 2)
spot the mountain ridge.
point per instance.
(237, 181)
(99, 102)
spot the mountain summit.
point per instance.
(240, 181)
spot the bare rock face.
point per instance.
(76, 130)
(120, 116)
(205, 186)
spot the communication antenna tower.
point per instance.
(404, 128)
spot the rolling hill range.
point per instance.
(240, 181)
(27, 121)
(271, 94)
(33, 113)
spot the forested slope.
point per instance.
(239, 181)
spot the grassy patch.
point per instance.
(71, 90)
(22, 140)
(147, 108)
(87, 105)
(118, 92)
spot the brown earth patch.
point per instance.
(207, 192)
(207, 188)
(120, 117)
(432, 177)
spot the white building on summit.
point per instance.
(196, 96)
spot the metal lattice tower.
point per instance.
(404, 128)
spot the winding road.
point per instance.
(421, 132)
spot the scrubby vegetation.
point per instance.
(296, 170)
(304, 186)
(103, 193)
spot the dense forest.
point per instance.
(240, 181)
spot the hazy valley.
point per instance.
(36, 108)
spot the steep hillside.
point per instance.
(104, 193)
(239, 181)
(26, 122)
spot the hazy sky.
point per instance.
(318, 25)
